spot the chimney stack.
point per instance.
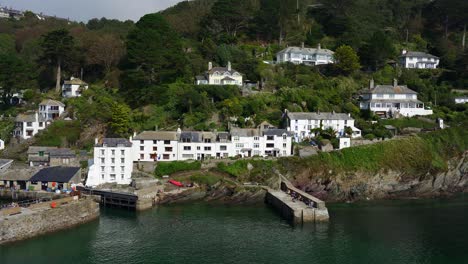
(302, 44)
(371, 84)
(395, 82)
(319, 46)
(229, 66)
(96, 141)
(210, 66)
(404, 52)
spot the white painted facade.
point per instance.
(73, 88)
(51, 109)
(418, 60)
(307, 56)
(220, 76)
(2, 144)
(461, 100)
(301, 124)
(393, 101)
(28, 125)
(112, 163)
(345, 143)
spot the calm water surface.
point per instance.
(378, 232)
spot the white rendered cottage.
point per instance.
(303, 55)
(418, 60)
(51, 109)
(250, 142)
(28, 125)
(112, 162)
(155, 146)
(220, 76)
(393, 101)
(301, 124)
(73, 88)
(461, 100)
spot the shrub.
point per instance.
(205, 179)
(369, 136)
(168, 168)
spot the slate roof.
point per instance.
(418, 54)
(114, 142)
(200, 78)
(55, 174)
(37, 149)
(390, 89)
(307, 51)
(222, 70)
(156, 135)
(18, 174)
(5, 162)
(75, 81)
(318, 116)
(61, 152)
(245, 132)
(277, 132)
(52, 103)
(190, 136)
(29, 117)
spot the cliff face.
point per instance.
(385, 184)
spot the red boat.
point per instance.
(176, 183)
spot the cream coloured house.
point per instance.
(220, 76)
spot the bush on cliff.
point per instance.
(168, 168)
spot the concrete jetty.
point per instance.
(305, 208)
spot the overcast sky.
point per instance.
(83, 10)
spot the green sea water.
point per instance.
(416, 231)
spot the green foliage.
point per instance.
(15, 75)
(6, 127)
(409, 122)
(346, 59)
(60, 134)
(168, 168)
(261, 170)
(205, 179)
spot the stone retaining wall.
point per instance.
(38, 222)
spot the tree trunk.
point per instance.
(58, 79)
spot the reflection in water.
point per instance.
(377, 232)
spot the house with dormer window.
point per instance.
(220, 76)
(418, 60)
(392, 101)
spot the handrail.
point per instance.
(306, 198)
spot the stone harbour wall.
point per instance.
(32, 223)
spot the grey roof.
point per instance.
(55, 174)
(318, 116)
(52, 103)
(18, 174)
(5, 163)
(157, 135)
(308, 51)
(390, 89)
(61, 152)
(191, 136)
(29, 117)
(75, 81)
(114, 142)
(223, 135)
(277, 132)
(394, 101)
(200, 78)
(418, 54)
(228, 79)
(222, 70)
(245, 132)
(37, 149)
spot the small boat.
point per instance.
(176, 183)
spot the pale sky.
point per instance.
(83, 10)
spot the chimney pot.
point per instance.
(302, 44)
(395, 82)
(319, 46)
(229, 66)
(371, 84)
(210, 66)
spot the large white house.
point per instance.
(418, 60)
(51, 109)
(29, 124)
(112, 162)
(73, 88)
(220, 76)
(393, 101)
(198, 145)
(303, 55)
(461, 100)
(302, 124)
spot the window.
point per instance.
(155, 142)
(103, 168)
(270, 137)
(239, 145)
(284, 145)
(166, 156)
(198, 148)
(284, 137)
(102, 152)
(207, 148)
(256, 145)
(186, 140)
(207, 140)
(379, 95)
(122, 168)
(102, 176)
(295, 128)
(187, 148)
(112, 160)
(103, 160)
(41, 124)
(112, 169)
(168, 149)
(122, 160)
(41, 153)
(112, 177)
(167, 142)
(142, 142)
(270, 145)
(142, 148)
(29, 124)
(142, 156)
(122, 152)
(113, 152)
(155, 148)
(122, 176)
(223, 147)
(256, 138)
